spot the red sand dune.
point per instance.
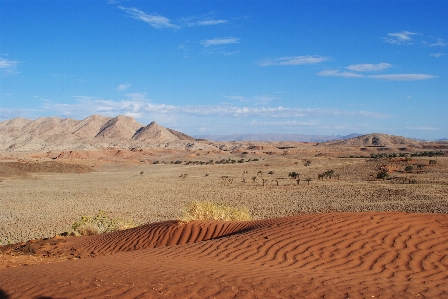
(335, 255)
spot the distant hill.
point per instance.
(96, 131)
(274, 137)
(377, 140)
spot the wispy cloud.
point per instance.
(400, 38)
(367, 67)
(423, 128)
(403, 77)
(122, 87)
(9, 113)
(210, 22)
(190, 22)
(8, 66)
(220, 41)
(154, 20)
(439, 43)
(437, 55)
(137, 105)
(286, 123)
(259, 99)
(389, 77)
(292, 60)
(336, 73)
(204, 20)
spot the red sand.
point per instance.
(335, 255)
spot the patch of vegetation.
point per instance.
(293, 175)
(207, 210)
(382, 175)
(101, 223)
(402, 155)
(327, 174)
(409, 168)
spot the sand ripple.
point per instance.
(334, 255)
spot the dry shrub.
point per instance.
(206, 210)
(101, 223)
(88, 229)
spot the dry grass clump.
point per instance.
(101, 223)
(206, 210)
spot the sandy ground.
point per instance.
(331, 255)
(306, 240)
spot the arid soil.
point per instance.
(348, 235)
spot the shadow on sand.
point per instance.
(3, 295)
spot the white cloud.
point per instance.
(389, 77)
(423, 128)
(292, 60)
(403, 77)
(154, 20)
(437, 55)
(439, 43)
(8, 66)
(286, 123)
(400, 38)
(368, 67)
(336, 73)
(201, 21)
(220, 41)
(259, 99)
(137, 104)
(122, 87)
(9, 113)
(210, 22)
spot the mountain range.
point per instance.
(96, 131)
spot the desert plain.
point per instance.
(355, 221)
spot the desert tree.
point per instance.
(295, 176)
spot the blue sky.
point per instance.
(222, 67)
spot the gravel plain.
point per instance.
(40, 205)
